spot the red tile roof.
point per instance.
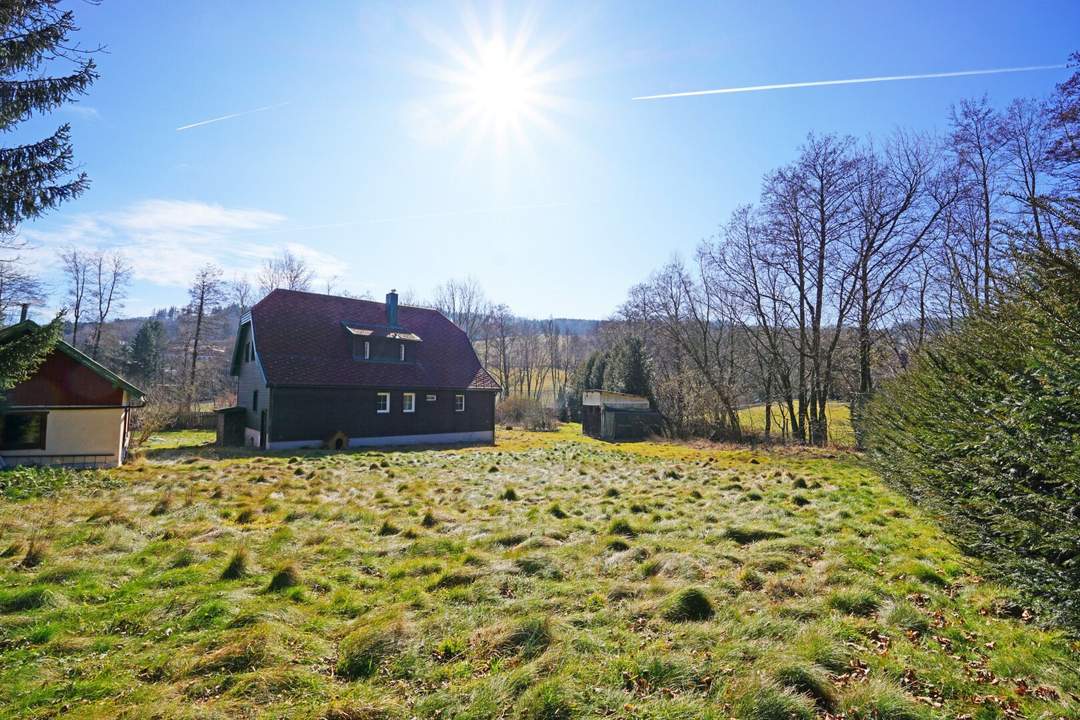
(301, 339)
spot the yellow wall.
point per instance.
(98, 431)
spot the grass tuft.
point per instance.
(363, 651)
(285, 577)
(762, 700)
(687, 605)
(807, 679)
(878, 700)
(528, 637)
(546, 701)
(747, 535)
(854, 602)
(238, 565)
(24, 599)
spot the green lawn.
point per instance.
(549, 577)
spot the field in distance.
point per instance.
(548, 577)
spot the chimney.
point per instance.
(391, 308)
(25, 312)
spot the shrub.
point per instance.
(982, 431)
(688, 605)
(525, 412)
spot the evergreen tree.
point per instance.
(37, 177)
(21, 355)
(146, 353)
(627, 368)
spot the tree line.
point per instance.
(854, 255)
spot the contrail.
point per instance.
(230, 116)
(851, 81)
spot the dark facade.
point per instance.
(299, 414)
(323, 370)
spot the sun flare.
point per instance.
(498, 83)
(500, 86)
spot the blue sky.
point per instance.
(379, 160)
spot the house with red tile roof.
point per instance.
(325, 371)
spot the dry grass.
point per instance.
(645, 580)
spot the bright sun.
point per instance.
(501, 86)
(498, 83)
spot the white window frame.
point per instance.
(382, 403)
(402, 352)
(432, 398)
(459, 398)
(367, 349)
(408, 402)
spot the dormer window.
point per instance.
(379, 343)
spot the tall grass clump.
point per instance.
(983, 428)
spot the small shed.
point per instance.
(230, 426)
(617, 416)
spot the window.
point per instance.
(382, 403)
(431, 398)
(254, 400)
(23, 431)
(459, 403)
(402, 352)
(408, 402)
(367, 349)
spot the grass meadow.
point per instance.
(549, 577)
(841, 433)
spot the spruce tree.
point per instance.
(38, 176)
(146, 354)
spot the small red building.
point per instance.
(73, 411)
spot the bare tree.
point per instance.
(899, 200)
(464, 302)
(206, 293)
(17, 287)
(240, 291)
(110, 276)
(288, 272)
(977, 145)
(76, 271)
(1025, 132)
(502, 339)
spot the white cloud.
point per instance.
(167, 241)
